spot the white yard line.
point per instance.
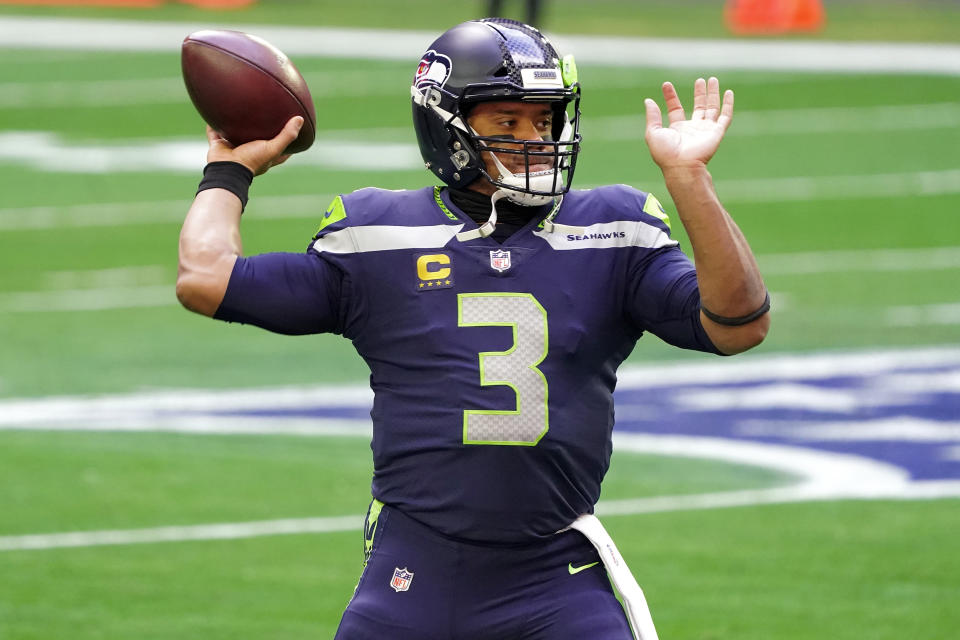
(109, 214)
(901, 429)
(111, 277)
(46, 151)
(223, 531)
(785, 367)
(880, 185)
(89, 299)
(171, 90)
(800, 122)
(341, 42)
(919, 183)
(167, 410)
(824, 476)
(782, 55)
(152, 286)
(96, 289)
(806, 492)
(110, 288)
(904, 117)
(923, 315)
(92, 93)
(867, 260)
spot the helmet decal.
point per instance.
(541, 78)
(433, 70)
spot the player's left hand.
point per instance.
(688, 143)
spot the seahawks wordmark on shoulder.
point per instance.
(598, 236)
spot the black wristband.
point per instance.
(736, 322)
(232, 176)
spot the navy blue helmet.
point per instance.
(496, 59)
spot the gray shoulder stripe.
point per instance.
(385, 238)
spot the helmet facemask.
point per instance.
(558, 150)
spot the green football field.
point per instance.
(846, 185)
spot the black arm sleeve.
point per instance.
(290, 293)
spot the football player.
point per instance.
(493, 312)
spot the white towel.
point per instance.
(638, 613)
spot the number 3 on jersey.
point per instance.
(515, 368)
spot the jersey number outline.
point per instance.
(515, 368)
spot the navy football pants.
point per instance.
(419, 585)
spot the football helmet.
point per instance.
(496, 59)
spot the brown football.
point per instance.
(246, 88)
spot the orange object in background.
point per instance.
(808, 15)
(774, 16)
(219, 4)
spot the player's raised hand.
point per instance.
(258, 155)
(688, 143)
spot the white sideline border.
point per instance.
(825, 476)
(340, 42)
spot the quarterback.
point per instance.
(516, 296)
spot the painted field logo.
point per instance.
(401, 579)
(500, 260)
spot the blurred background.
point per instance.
(842, 167)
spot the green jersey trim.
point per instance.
(443, 207)
(370, 528)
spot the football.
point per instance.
(245, 88)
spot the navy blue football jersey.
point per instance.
(493, 365)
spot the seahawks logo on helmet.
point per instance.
(433, 70)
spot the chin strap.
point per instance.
(555, 227)
(548, 224)
(487, 227)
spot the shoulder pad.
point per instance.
(373, 206)
(617, 202)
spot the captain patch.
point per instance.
(434, 271)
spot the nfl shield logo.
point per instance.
(500, 260)
(401, 579)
